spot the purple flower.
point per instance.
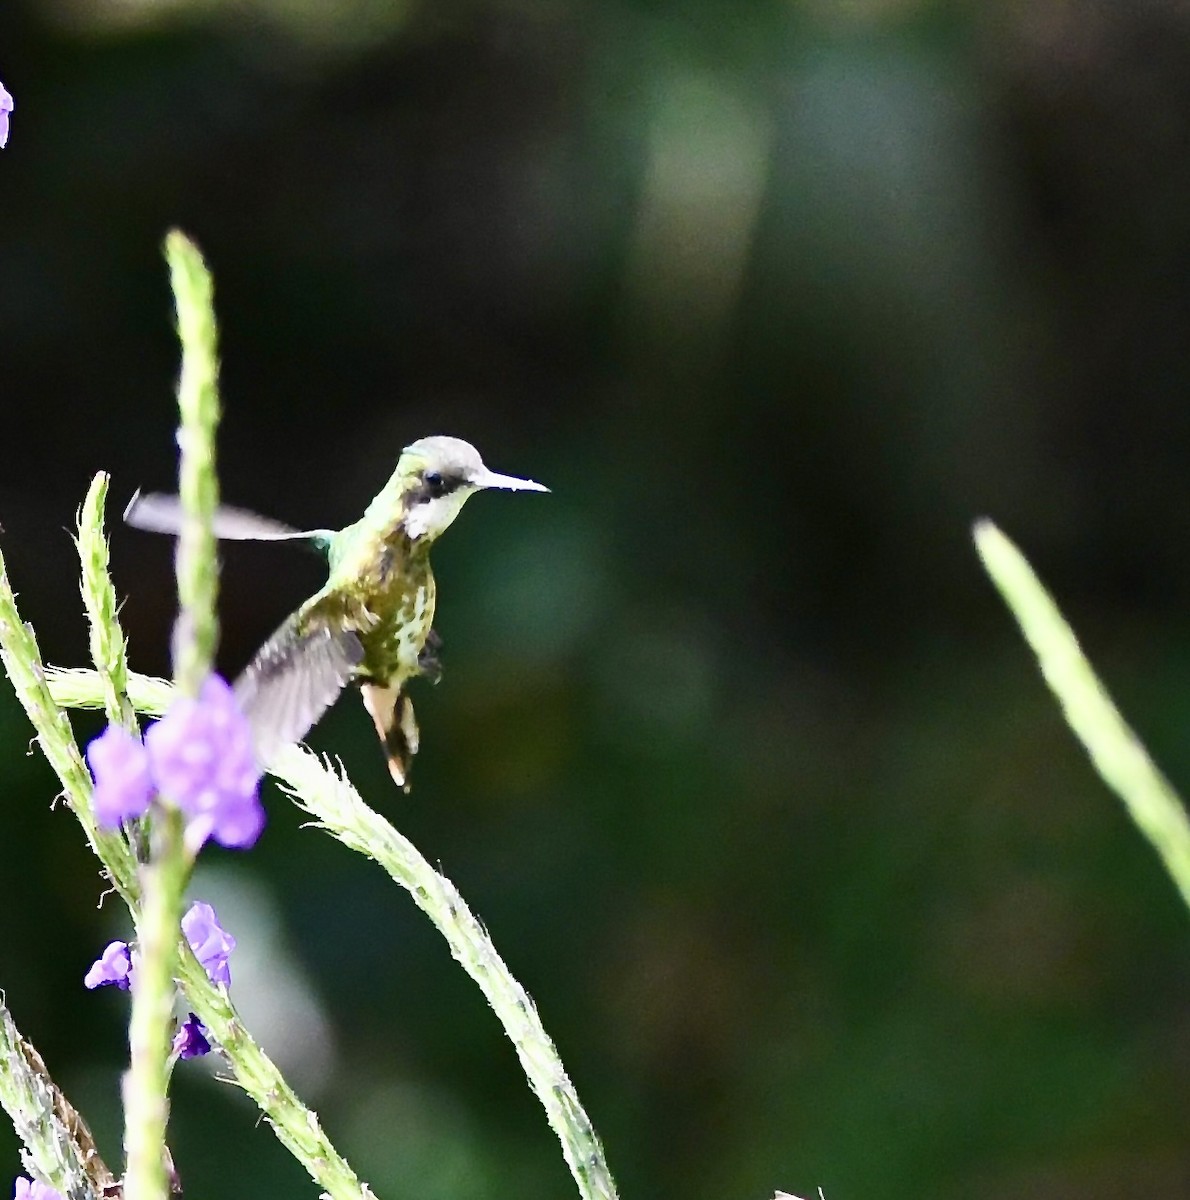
(191, 1040)
(33, 1189)
(123, 786)
(114, 965)
(6, 106)
(211, 943)
(201, 757)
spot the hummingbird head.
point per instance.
(438, 475)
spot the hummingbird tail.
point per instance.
(392, 714)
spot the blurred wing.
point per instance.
(294, 678)
(159, 513)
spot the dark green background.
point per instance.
(737, 753)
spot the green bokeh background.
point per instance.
(737, 754)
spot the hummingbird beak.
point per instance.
(510, 483)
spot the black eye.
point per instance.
(434, 483)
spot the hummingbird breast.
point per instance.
(397, 595)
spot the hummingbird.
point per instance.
(371, 624)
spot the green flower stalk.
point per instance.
(146, 1105)
(109, 652)
(296, 1126)
(165, 766)
(59, 1148)
(22, 662)
(1116, 752)
(146, 1086)
(329, 797)
(196, 632)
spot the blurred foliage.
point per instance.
(737, 753)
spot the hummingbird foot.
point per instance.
(429, 661)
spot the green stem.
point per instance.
(109, 652)
(22, 661)
(333, 801)
(196, 633)
(295, 1126)
(59, 1148)
(336, 805)
(1116, 752)
(146, 1106)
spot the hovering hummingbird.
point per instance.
(371, 624)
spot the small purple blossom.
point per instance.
(33, 1189)
(211, 943)
(123, 785)
(201, 758)
(191, 1040)
(199, 755)
(114, 965)
(6, 106)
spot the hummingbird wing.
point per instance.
(157, 512)
(294, 678)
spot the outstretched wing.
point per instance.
(294, 678)
(157, 512)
